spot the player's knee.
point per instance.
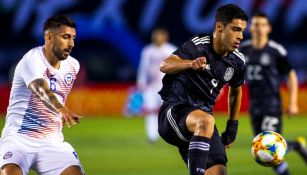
(205, 123)
(11, 169)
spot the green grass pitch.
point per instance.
(117, 146)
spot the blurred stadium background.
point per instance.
(110, 36)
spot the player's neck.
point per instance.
(159, 44)
(260, 43)
(51, 58)
(218, 47)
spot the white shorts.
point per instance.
(45, 157)
(152, 100)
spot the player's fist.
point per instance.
(199, 63)
(292, 110)
(69, 117)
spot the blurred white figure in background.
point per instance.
(149, 79)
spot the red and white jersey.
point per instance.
(26, 113)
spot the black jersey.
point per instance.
(200, 88)
(265, 70)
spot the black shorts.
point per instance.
(173, 129)
(266, 122)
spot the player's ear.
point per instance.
(250, 28)
(269, 29)
(47, 35)
(219, 26)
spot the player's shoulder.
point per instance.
(33, 53)
(277, 47)
(246, 44)
(201, 39)
(148, 48)
(73, 62)
(239, 56)
(170, 46)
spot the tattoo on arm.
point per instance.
(41, 89)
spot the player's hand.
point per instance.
(230, 133)
(69, 117)
(292, 110)
(199, 63)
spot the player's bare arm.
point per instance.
(41, 89)
(293, 91)
(234, 104)
(174, 64)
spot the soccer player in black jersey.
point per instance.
(195, 74)
(266, 65)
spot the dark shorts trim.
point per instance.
(173, 129)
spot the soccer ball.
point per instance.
(269, 148)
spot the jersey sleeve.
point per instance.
(32, 68)
(75, 63)
(238, 78)
(188, 51)
(283, 65)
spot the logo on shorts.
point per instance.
(201, 170)
(68, 78)
(76, 155)
(7, 155)
(228, 74)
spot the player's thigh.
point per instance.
(16, 156)
(75, 170)
(55, 158)
(216, 170)
(11, 169)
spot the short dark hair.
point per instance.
(262, 15)
(58, 20)
(228, 12)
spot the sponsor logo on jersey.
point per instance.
(7, 155)
(228, 74)
(68, 78)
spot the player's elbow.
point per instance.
(163, 67)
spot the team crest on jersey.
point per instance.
(265, 59)
(68, 78)
(228, 74)
(7, 155)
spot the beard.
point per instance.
(59, 53)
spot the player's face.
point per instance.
(159, 37)
(232, 34)
(63, 42)
(260, 27)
